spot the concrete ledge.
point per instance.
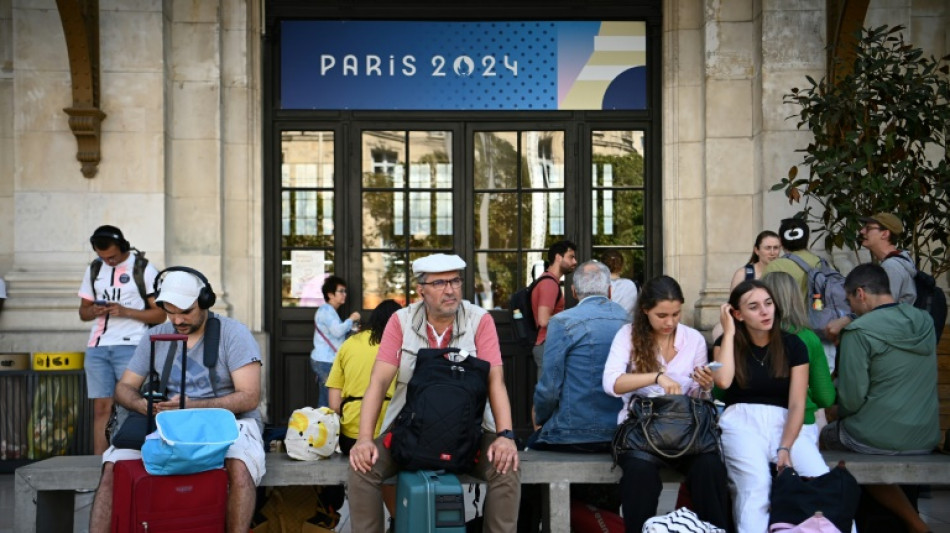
(44, 490)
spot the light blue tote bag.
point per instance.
(189, 441)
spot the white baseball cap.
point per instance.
(180, 289)
(438, 263)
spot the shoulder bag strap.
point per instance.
(212, 344)
(325, 339)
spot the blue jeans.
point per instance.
(104, 366)
(322, 370)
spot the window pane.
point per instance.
(384, 158)
(496, 221)
(496, 160)
(307, 159)
(385, 276)
(306, 218)
(302, 275)
(430, 223)
(617, 218)
(544, 159)
(381, 227)
(495, 279)
(430, 159)
(617, 158)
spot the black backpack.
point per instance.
(138, 274)
(440, 427)
(930, 297)
(525, 328)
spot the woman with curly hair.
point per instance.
(657, 355)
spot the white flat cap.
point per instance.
(437, 263)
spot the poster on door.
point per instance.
(479, 66)
(307, 276)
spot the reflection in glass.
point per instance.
(618, 218)
(385, 275)
(406, 205)
(496, 160)
(306, 218)
(617, 158)
(634, 261)
(544, 158)
(307, 159)
(495, 279)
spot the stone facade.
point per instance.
(181, 170)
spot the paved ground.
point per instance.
(936, 510)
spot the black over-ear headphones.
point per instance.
(206, 296)
(113, 234)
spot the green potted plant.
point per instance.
(880, 144)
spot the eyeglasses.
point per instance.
(870, 227)
(440, 284)
(340, 291)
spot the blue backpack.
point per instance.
(827, 299)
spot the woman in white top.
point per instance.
(657, 355)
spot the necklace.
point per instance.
(761, 361)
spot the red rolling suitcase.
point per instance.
(143, 503)
(196, 503)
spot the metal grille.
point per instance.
(44, 414)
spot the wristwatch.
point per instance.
(507, 433)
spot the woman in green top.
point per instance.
(821, 390)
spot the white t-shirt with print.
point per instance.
(116, 284)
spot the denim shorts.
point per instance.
(104, 366)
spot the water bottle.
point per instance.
(816, 303)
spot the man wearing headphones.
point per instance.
(114, 301)
(232, 383)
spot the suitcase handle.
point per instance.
(172, 337)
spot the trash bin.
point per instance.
(60, 418)
(15, 398)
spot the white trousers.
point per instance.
(751, 435)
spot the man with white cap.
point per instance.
(440, 320)
(235, 385)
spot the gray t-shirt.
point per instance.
(236, 349)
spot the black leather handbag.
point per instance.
(668, 427)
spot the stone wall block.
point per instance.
(236, 168)
(46, 161)
(130, 41)
(793, 40)
(130, 5)
(195, 52)
(195, 171)
(683, 14)
(38, 40)
(134, 102)
(40, 99)
(930, 34)
(729, 108)
(689, 237)
(234, 61)
(729, 10)
(132, 162)
(688, 108)
(690, 174)
(777, 115)
(195, 11)
(685, 62)
(196, 109)
(235, 116)
(730, 50)
(730, 166)
(197, 234)
(724, 216)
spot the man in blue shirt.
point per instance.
(571, 410)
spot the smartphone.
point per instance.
(715, 365)
(100, 302)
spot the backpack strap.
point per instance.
(749, 271)
(801, 262)
(94, 267)
(138, 274)
(212, 342)
(552, 278)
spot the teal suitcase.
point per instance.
(429, 502)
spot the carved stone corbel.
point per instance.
(80, 19)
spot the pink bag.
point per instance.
(816, 524)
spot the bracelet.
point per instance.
(657, 380)
(780, 448)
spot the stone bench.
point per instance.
(45, 490)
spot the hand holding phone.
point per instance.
(715, 365)
(100, 302)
